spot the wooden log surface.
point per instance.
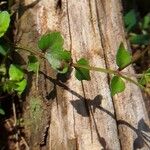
(70, 115)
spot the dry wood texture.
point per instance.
(73, 115)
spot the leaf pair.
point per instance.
(52, 45)
(123, 59)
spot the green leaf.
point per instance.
(145, 79)
(52, 41)
(123, 57)
(2, 112)
(4, 22)
(59, 60)
(140, 39)
(117, 85)
(82, 73)
(33, 64)
(21, 86)
(130, 19)
(146, 22)
(9, 86)
(15, 73)
(3, 49)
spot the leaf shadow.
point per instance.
(93, 104)
(141, 131)
(78, 104)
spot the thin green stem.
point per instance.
(98, 69)
(109, 71)
(94, 68)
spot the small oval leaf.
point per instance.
(80, 72)
(15, 73)
(52, 41)
(117, 85)
(123, 57)
(4, 22)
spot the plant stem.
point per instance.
(98, 69)
(94, 68)
(109, 71)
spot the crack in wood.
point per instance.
(45, 135)
(69, 26)
(59, 5)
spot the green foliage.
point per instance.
(117, 85)
(59, 60)
(15, 82)
(4, 22)
(123, 57)
(33, 64)
(15, 73)
(52, 45)
(82, 73)
(140, 39)
(21, 86)
(140, 34)
(145, 79)
(51, 41)
(130, 19)
(9, 86)
(4, 49)
(145, 23)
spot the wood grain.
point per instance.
(82, 115)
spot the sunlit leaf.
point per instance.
(123, 57)
(117, 85)
(82, 73)
(15, 72)
(4, 22)
(52, 41)
(21, 86)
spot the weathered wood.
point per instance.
(80, 115)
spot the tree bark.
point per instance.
(70, 115)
